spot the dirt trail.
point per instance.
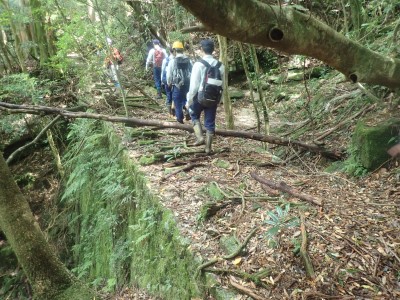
(353, 240)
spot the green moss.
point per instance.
(370, 143)
(123, 234)
(147, 160)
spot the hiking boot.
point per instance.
(198, 133)
(169, 109)
(180, 121)
(209, 138)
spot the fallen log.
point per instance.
(282, 186)
(134, 122)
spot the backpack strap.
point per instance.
(205, 63)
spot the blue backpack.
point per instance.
(164, 74)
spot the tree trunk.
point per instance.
(356, 16)
(251, 88)
(223, 57)
(294, 32)
(48, 276)
(39, 31)
(5, 53)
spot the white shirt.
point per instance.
(170, 67)
(164, 62)
(150, 57)
(197, 77)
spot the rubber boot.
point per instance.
(159, 96)
(186, 114)
(198, 133)
(173, 109)
(209, 138)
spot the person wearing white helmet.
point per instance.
(178, 78)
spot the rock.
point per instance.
(235, 93)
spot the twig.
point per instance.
(41, 133)
(303, 249)
(245, 290)
(188, 167)
(319, 295)
(205, 265)
(282, 186)
(256, 278)
(241, 247)
(351, 118)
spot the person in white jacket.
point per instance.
(155, 58)
(195, 108)
(167, 88)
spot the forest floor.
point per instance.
(352, 238)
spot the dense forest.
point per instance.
(107, 193)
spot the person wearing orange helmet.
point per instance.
(178, 78)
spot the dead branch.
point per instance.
(41, 133)
(245, 290)
(282, 186)
(318, 295)
(133, 122)
(241, 247)
(196, 28)
(186, 168)
(340, 124)
(303, 249)
(256, 278)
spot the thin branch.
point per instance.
(245, 290)
(303, 249)
(241, 247)
(186, 168)
(282, 186)
(197, 28)
(133, 122)
(19, 150)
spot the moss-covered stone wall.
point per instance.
(370, 143)
(121, 232)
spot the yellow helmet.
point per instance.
(177, 45)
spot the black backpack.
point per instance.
(212, 85)
(181, 72)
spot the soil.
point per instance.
(353, 238)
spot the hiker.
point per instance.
(155, 58)
(178, 78)
(205, 93)
(168, 90)
(112, 61)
